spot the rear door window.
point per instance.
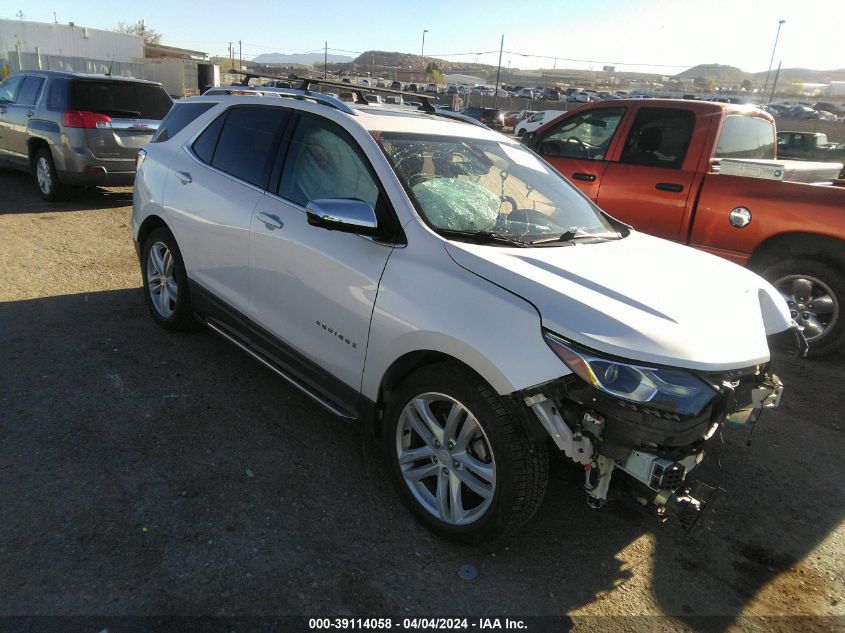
(120, 99)
(660, 137)
(30, 90)
(180, 115)
(248, 142)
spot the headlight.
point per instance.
(672, 390)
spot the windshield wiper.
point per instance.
(575, 234)
(483, 237)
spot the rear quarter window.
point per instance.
(746, 137)
(120, 99)
(180, 115)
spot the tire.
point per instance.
(487, 460)
(170, 308)
(45, 177)
(803, 282)
(520, 133)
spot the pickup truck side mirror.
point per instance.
(529, 139)
(339, 214)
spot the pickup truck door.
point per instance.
(577, 146)
(649, 186)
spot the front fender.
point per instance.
(426, 302)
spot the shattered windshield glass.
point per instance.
(488, 188)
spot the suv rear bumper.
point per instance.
(78, 166)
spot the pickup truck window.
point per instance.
(585, 136)
(746, 137)
(659, 137)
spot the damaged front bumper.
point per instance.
(604, 434)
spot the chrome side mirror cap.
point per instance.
(341, 214)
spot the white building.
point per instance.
(26, 45)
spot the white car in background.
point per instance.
(439, 284)
(535, 121)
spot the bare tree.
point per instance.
(139, 28)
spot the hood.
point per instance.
(640, 298)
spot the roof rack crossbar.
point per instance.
(307, 82)
(305, 92)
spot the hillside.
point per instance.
(405, 61)
(299, 58)
(719, 73)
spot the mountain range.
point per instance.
(299, 58)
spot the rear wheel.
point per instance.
(815, 294)
(465, 468)
(165, 281)
(45, 177)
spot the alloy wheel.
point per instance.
(161, 282)
(43, 175)
(445, 458)
(812, 304)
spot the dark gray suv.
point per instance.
(72, 129)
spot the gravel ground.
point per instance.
(145, 473)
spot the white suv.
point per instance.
(447, 288)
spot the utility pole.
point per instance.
(422, 55)
(240, 56)
(326, 61)
(498, 71)
(775, 83)
(771, 61)
(231, 57)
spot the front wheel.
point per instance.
(466, 469)
(815, 294)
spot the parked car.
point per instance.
(396, 85)
(491, 117)
(70, 129)
(535, 121)
(811, 146)
(668, 174)
(371, 259)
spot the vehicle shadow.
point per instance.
(20, 196)
(168, 473)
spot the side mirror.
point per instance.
(529, 139)
(340, 214)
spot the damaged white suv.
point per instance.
(442, 285)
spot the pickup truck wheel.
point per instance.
(45, 177)
(466, 469)
(165, 281)
(815, 293)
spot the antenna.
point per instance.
(108, 74)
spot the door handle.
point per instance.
(585, 177)
(272, 221)
(184, 176)
(30, 114)
(669, 186)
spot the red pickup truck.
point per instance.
(656, 165)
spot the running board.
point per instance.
(292, 381)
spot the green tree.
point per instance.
(433, 74)
(139, 28)
(746, 84)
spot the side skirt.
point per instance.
(299, 371)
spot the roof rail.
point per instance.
(307, 82)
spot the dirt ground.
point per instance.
(145, 473)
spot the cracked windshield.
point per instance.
(483, 187)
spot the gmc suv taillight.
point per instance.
(87, 120)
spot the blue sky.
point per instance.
(655, 36)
